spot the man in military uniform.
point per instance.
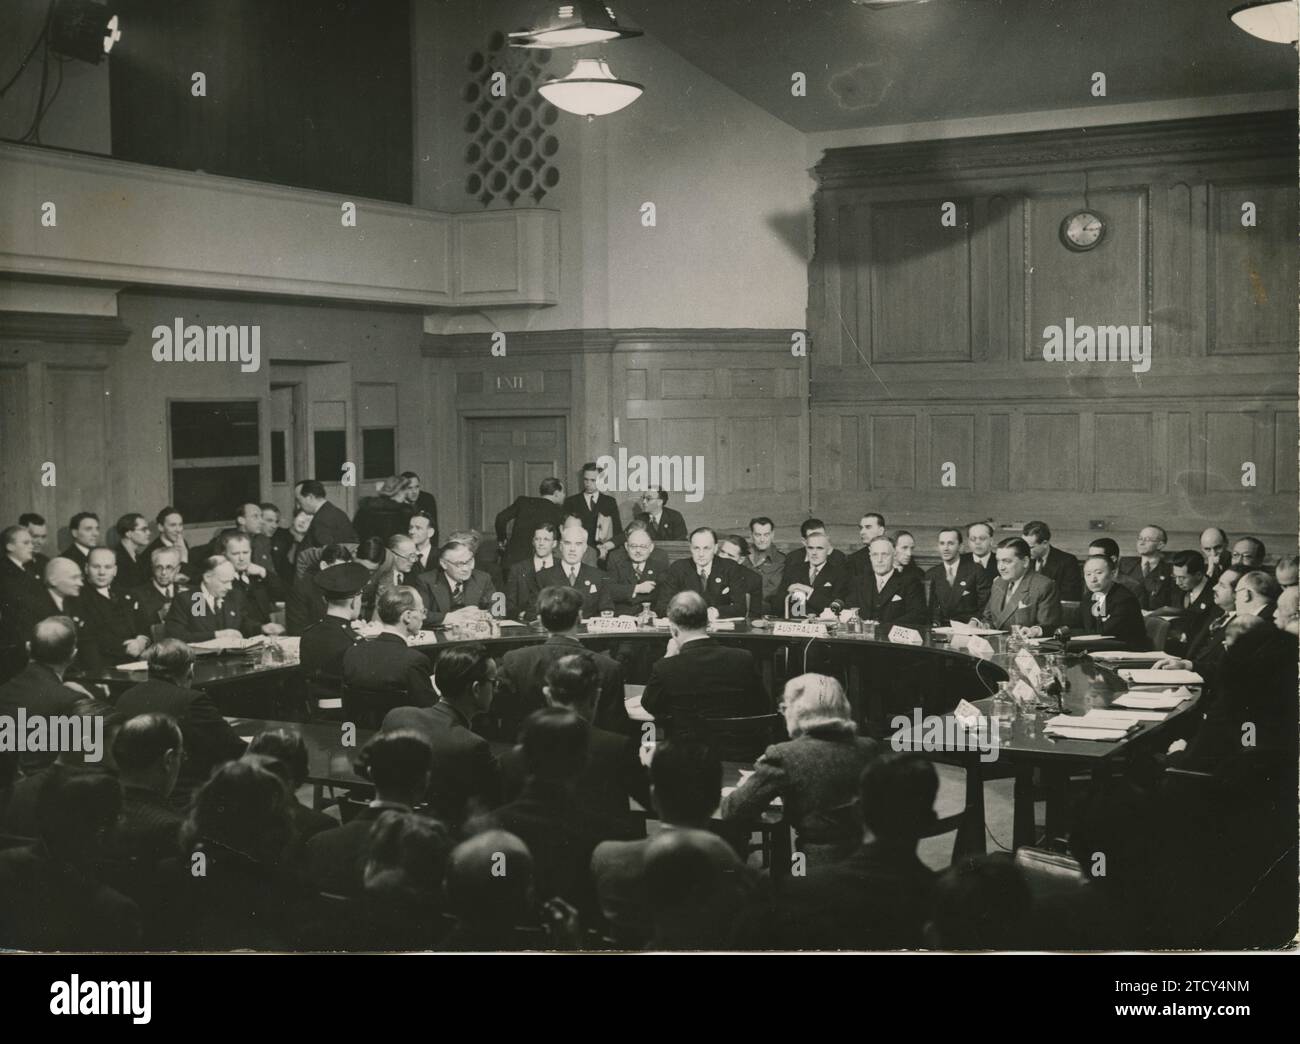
(326, 641)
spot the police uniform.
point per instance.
(325, 642)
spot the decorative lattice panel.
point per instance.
(512, 147)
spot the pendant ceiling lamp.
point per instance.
(1277, 21)
(574, 25)
(590, 90)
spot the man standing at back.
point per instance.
(329, 523)
(527, 514)
(589, 506)
(1060, 568)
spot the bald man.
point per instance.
(215, 609)
(489, 891)
(1214, 546)
(1149, 569)
(569, 571)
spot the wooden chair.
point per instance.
(367, 707)
(736, 739)
(1158, 628)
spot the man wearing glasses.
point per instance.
(456, 593)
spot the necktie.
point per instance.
(704, 577)
(952, 574)
(458, 596)
(636, 569)
(591, 502)
(1146, 570)
(398, 578)
(812, 575)
(1007, 600)
(573, 577)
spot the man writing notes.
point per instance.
(1020, 598)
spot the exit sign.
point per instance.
(510, 383)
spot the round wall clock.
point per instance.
(1082, 230)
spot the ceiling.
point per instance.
(949, 59)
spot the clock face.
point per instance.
(1082, 230)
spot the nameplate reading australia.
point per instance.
(905, 635)
(791, 629)
(610, 624)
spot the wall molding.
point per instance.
(606, 341)
(65, 329)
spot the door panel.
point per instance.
(509, 457)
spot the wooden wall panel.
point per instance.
(1284, 451)
(1049, 457)
(80, 448)
(952, 440)
(1122, 452)
(1253, 289)
(893, 452)
(1230, 443)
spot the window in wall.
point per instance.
(378, 453)
(331, 454)
(216, 462)
(278, 470)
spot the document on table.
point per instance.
(1125, 656)
(1150, 677)
(1167, 700)
(1096, 718)
(960, 628)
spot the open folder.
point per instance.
(1149, 677)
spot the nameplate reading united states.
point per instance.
(789, 629)
(905, 635)
(607, 625)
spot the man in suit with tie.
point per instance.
(979, 538)
(662, 522)
(1060, 568)
(870, 526)
(132, 558)
(111, 635)
(1206, 647)
(707, 575)
(1150, 569)
(1021, 598)
(61, 595)
(329, 523)
(251, 580)
(171, 533)
(1194, 601)
(591, 583)
(84, 529)
(527, 514)
(35, 524)
(887, 594)
(764, 557)
(1248, 554)
(636, 570)
(21, 593)
(959, 588)
(589, 505)
(1107, 548)
(384, 671)
(455, 592)
(699, 677)
(734, 549)
(423, 533)
(522, 586)
(214, 610)
(817, 582)
(400, 563)
(1214, 547)
(1110, 608)
(422, 499)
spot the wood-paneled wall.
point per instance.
(927, 339)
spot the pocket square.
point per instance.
(827, 584)
(726, 590)
(1023, 605)
(897, 598)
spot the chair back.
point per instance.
(367, 707)
(1158, 628)
(735, 739)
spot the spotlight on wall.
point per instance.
(84, 29)
(590, 90)
(1277, 21)
(573, 25)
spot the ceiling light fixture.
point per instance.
(84, 29)
(573, 25)
(1277, 21)
(590, 90)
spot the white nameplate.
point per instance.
(789, 629)
(905, 636)
(610, 624)
(967, 713)
(475, 629)
(978, 646)
(1023, 692)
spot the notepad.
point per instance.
(1073, 732)
(1095, 718)
(1167, 700)
(1129, 715)
(1124, 656)
(1150, 677)
(134, 665)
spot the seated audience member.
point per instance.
(252, 581)
(815, 773)
(635, 571)
(904, 548)
(251, 522)
(522, 587)
(456, 592)
(171, 534)
(816, 581)
(735, 549)
(523, 671)
(385, 513)
(879, 897)
(288, 543)
(1109, 608)
(403, 873)
(1195, 597)
(662, 522)
(1214, 546)
(979, 538)
(214, 610)
(1058, 566)
(148, 752)
(1108, 549)
(52, 895)
(423, 533)
(685, 783)
(715, 579)
(64, 584)
(39, 688)
(153, 600)
(870, 526)
(613, 773)
(84, 530)
(699, 677)
(589, 556)
(208, 738)
(326, 642)
(40, 532)
(305, 604)
(490, 894)
(421, 499)
(399, 564)
(465, 778)
(384, 672)
(1206, 646)
(111, 635)
(981, 903)
(398, 763)
(765, 558)
(133, 538)
(276, 536)
(283, 752)
(569, 571)
(959, 588)
(529, 514)
(1021, 599)
(22, 598)
(1288, 610)
(815, 525)
(1248, 554)
(695, 887)
(885, 594)
(1149, 569)
(1256, 595)
(329, 523)
(1287, 571)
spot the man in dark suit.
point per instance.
(1020, 597)
(214, 610)
(707, 575)
(329, 523)
(208, 738)
(385, 668)
(305, 604)
(465, 777)
(1193, 602)
(261, 553)
(455, 591)
(635, 570)
(423, 500)
(1205, 649)
(1107, 548)
(1150, 569)
(111, 635)
(1110, 608)
(424, 533)
(251, 580)
(133, 539)
(959, 588)
(521, 582)
(1248, 554)
(528, 514)
(523, 671)
(699, 677)
(817, 582)
(84, 529)
(591, 583)
(590, 505)
(662, 522)
(815, 525)
(21, 595)
(1214, 548)
(148, 751)
(171, 533)
(326, 642)
(1060, 568)
(733, 548)
(61, 595)
(979, 538)
(886, 594)
(36, 525)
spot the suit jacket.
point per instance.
(208, 738)
(522, 590)
(73, 552)
(1036, 594)
(323, 647)
(190, 620)
(799, 554)
(37, 689)
(282, 545)
(131, 572)
(437, 595)
(191, 565)
(990, 567)
(22, 596)
(153, 605)
(381, 517)
(385, 664)
(1064, 571)
(259, 603)
(426, 502)
(1123, 619)
(110, 623)
(671, 525)
(330, 525)
(900, 602)
(593, 585)
(336, 859)
(148, 828)
(465, 774)
(833, 584)
(770, 565)
(605, 505)
(527, 513)
(751, 583)
(725, 589)
(1158, 589)
(523, 673)
(705, 679)
(623, 580)
(961, 600)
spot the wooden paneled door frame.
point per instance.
(468, 476)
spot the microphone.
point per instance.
(836, 607)
(1062, 635)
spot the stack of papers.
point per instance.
(1149, 677)
(1167, 700)
(222, 644)
(1124, 656)
(1095, 725)
(960, 628)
